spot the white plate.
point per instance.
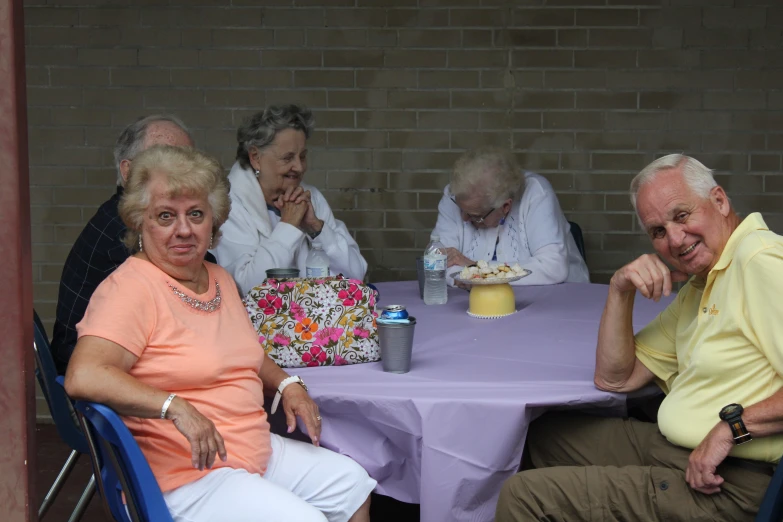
(493, 281)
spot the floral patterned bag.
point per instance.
(315, 322)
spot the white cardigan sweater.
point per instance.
(535, 234)
(251, 244)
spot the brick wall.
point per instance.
(585, 91)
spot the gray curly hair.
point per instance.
(491, 170)
(259, 130)
(131, 140)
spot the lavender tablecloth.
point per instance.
(449, 432)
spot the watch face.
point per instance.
(732, 410)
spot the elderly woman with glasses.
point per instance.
(493, 211)
(275, 217)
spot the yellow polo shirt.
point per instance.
(721, 341)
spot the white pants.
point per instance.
(302, 484)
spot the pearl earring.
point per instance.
(210, 241)
(256, 172)
(141, 247)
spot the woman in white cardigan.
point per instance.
(275, 218)
(493, 211)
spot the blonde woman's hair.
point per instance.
(697, 176)
(187, 171)
(491, 171)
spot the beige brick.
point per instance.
(230, 58)
(110, 57)
(237, 37)
(732, 17)
(46, 16)
(412, 59)
(539, 161)
(572, 37)
(733, 101)
(418, 100)
(573, 120)
(574, 161)
(756, 203)
(670, 141)
(108, 16)
(757, 121)
(448, 120)
(581, 202)
(357, 180)
(80, 116)
(600, 182)
(386, 160)
(680, 16)
(667, 37)
(435, 181)
(382, 38)
(63, 56)
(711, 38)
(340, 199)
(623, 162)
(358, 99)
(772, 183)
(77, 76)
(605, 100)
(149, 36)
(541, 58)
(741, 183)
(357, 139)
(324, 78)
(605, 59)
(605, 141)
(428, 38)
(167, 99)
(409, 219)
(519, 120)
(669, 100)
(468, 140)
(353, 58)
(475, 38)
(289, 37)
(418, 140)
(319, 38)
(58, 36)
(47, 96)
(257, 78)
(607, 17)
(415, 160)
(526, 37)
(635, 121)
(476, 17)
(298, 58)
(765, 162)
(383, 239)
(418, 17)
(735, 163)
(335, 119)
(382, 78)
(38, 76)
(594, 222)
(54, 216)
(669, 59)
(200, 78)
(79, 196)
(57, 176)
(354, 18)
(249, 98)
(479, 59)
(574, 79)
(638, 37)
(362, 219)
(429, 202)
(544, 100)
(543, 141)
(448, 79)
(483, 99)
(147, 76)
(654, 81)
(386, 120)
(44, 234)
(386, 200)
(720, 142)
(342, 159)
(533, 17)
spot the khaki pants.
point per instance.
(604, 469)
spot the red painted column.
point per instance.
(17, 389)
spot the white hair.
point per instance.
(492, 171)
(698, 177)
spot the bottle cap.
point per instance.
(435, 237)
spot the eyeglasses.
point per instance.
(471, 217)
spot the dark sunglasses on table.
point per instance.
(475, 219)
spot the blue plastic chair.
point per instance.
(771, 509)
(64, 418)
(122, 467)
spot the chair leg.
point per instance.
(84, 501)
(58, 483)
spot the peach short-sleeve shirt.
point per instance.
(211, 360)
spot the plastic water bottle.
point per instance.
(435, 272)
(317, 263)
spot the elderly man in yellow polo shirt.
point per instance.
(716, 351)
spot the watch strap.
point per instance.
(283, 385)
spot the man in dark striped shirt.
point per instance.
(99, 249)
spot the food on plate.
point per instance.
(488, 271)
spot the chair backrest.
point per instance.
(60, 405)
(579, 239)
(771, 509)
(123, 467)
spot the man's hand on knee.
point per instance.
(705, 459)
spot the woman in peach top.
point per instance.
(167, 343)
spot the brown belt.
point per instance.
(751, 465)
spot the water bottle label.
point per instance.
(317, 271)
(435, 262)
